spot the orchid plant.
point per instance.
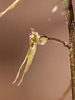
(36, 39)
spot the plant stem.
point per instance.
(58, 40)
(71, 31)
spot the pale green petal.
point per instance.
(20, 69)
(31, 54)
(10, 7)
(29, 57)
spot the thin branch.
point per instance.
(58, 40)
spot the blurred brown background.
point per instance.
(49, 74)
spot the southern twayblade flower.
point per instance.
(35, 39)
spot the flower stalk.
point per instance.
(58, 40)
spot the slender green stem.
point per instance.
(58, 40)
(71, 31)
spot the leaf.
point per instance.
(10, 7)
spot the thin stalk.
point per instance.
(58, 40)
(71, 31)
